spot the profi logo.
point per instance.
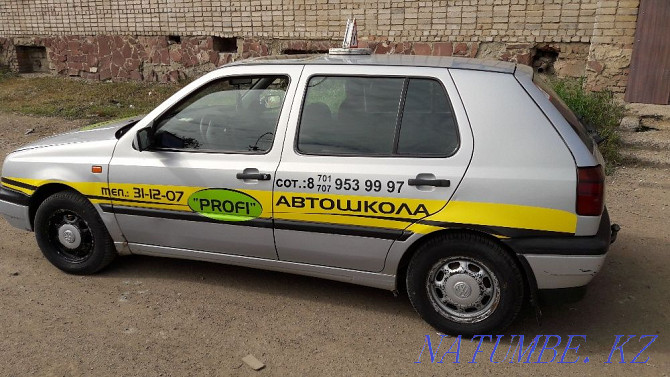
(225, 205)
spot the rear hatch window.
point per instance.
(581, 130)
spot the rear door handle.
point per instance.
(428, 182)
(258, 176)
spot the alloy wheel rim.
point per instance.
(463, 289)
(71, 236)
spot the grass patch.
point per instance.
(79, 99)
(5, 73)
(104, 123)
(598, 109)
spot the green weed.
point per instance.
(598, 109)
(80, 99)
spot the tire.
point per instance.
(462, 284)
(71, 234)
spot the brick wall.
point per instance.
(584, 34)
(612, 45)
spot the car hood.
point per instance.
(105, 131)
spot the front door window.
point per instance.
(231, 115)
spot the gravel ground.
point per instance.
(161, 317)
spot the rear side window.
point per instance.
(377, 116)
(427, 127)
(565, 111)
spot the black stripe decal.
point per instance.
(401, 219)
(180, 215)
(14, 197)
(17, 183)
(348, 230)
(501, 230)
(133, 201)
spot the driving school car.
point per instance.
(468, 183)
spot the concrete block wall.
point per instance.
(582, 35)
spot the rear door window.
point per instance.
(377, 116)
(427, 127)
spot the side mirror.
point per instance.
(144, 139)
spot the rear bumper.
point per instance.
(564, 271)
(565, 262)
(570, 245)
(14, 208)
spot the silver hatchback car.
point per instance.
(468, 183)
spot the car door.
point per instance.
(369, 151)
(205, 182)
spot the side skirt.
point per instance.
(370, 279)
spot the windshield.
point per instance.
(569, 116)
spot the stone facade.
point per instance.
(163, 39)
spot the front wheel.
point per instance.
(71, 234)
(465, 284)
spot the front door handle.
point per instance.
(428, 182)
(258, 176)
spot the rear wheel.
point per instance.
(465, 284)
(71, 234)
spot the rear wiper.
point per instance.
(592, 131)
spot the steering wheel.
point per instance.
(220, 135)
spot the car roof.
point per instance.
(385, 60)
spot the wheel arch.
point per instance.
(530, 283)
(41, 194)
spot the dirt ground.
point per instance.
(160, 317)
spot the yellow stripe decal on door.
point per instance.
(367, 211)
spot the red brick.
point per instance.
(383, 48)
(402, 48)
(135, 75)
(461, 49)
(595, 66)
(175, 56)
(105, 74)
(117, 58)
(103, 48)
(123, 74)
(474, 47)
(297, 45)
(516, 46)
(523, 58)
(75, 65)
(118, 41)
(165, 57)
(421, 49)
(73, 46)
(132, 64)
(126, 51)
(214, 57)
(443, 49)
(225, 58)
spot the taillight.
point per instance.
(590, 191)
